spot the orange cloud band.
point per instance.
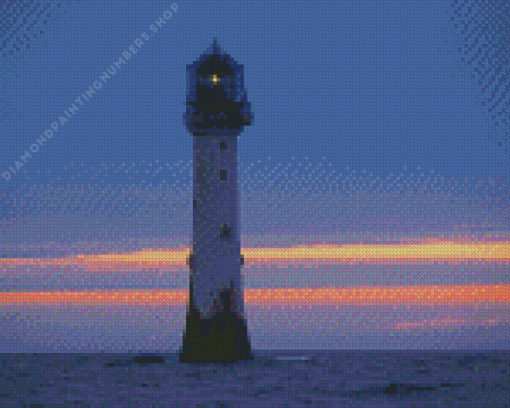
(448, 251)
(454, 294)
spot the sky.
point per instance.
(373, 179)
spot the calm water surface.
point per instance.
(273, 379)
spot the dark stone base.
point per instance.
(221, 339)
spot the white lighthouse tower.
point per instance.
(217, 111)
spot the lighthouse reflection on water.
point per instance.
(216, 112)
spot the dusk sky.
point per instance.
(374, 177)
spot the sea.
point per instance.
(293, 378)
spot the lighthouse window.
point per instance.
(223, 145)
(225, 231)
(223, 174)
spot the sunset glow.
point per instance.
(426, 251)
(455, 294)
(429, 251)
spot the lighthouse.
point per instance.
(217, 110)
